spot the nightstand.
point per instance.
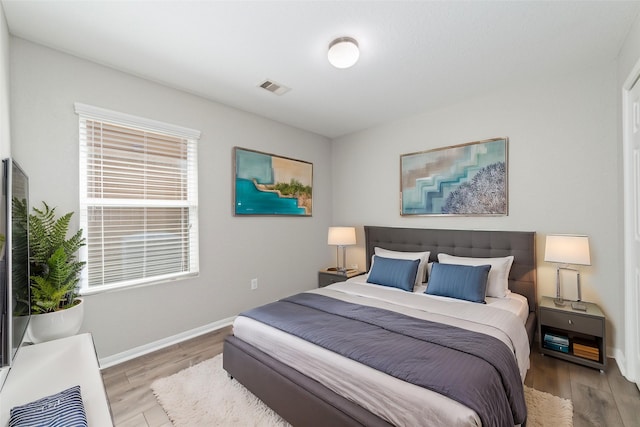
(576, 336)
(327, 277)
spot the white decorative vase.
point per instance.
(59, 324)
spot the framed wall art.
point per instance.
(267, 184)
(466, 179)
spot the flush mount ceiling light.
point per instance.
(343, 52)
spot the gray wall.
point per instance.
(5, 127)
(630, 52)
(284, 253)
(563, 172)
(5, 133)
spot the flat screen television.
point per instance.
(14, 262)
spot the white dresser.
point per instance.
(40, 370)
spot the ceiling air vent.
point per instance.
(274, 87)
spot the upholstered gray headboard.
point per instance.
(469, 243)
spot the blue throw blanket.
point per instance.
(474, 369)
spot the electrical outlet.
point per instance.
(354, 266)
(254, 284)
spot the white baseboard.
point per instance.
(620, 360)
(118, 358)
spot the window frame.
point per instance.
(87, 112)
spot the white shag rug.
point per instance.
(203, 395)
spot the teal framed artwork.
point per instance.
(467, 179)
(267, 184)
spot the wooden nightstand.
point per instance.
(327, 277)
(583, 331)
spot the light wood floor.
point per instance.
(599, 399)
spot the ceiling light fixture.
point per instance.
(343, 52)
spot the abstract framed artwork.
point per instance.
(267, 184)
(467, 179)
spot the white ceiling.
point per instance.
(415, 55)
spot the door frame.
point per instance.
(630, 367)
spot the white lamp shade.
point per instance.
(343, 52)
(567, 249)
(341, 236)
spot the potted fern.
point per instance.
(55, 271)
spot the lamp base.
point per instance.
(577, 305)
(559, 302)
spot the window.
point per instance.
(138, 200)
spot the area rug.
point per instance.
(203, 395)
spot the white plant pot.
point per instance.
(59, 324)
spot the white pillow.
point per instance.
(422, 256)
(498, 280)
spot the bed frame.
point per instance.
(303, 401)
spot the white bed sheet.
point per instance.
(399, 402)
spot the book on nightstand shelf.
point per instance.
(586, 349)
(556, 342)
(556, 347)
(558, 339)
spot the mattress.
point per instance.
(396, 401)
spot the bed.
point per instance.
(305, 383)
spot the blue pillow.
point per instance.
(396, 273)
(64, 409)
(459, 281)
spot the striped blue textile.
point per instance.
(64, 409)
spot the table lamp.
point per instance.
(341, 237)
(565, 250)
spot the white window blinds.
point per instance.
(138, 199)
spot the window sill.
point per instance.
(135, 285)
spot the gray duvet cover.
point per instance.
(474, 369)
